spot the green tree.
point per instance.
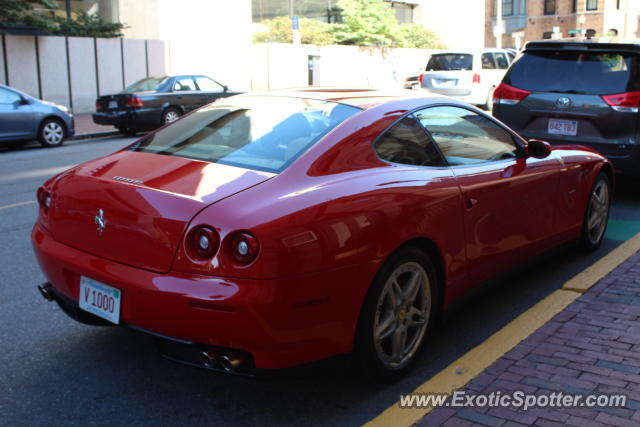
(21, 12)
(279, 31)
(417, 36)
(367, 23)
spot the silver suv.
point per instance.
(585, 93)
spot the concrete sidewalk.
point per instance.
(591, 347)
(85, 127)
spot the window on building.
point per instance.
(549, 7)
(507, 7)
(592, 4)
(574, 6)
(404, 12)
(547, 35)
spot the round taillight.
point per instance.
(244, 247)
(203, 242)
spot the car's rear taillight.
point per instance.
(505, 94)
(476, 78)
(203, 242)
(420, 77)
(44, 199)
(244, 247)
(624, 102)
(134, 101)
(98, 106)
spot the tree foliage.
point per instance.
(279, 31)
(23, 12)
(364, 23)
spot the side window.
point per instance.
(207, 85)
(501, 60)
(184, 83)
(512, 57)
(407, 143)
(8, 97)
(465, 137)
(487, 61)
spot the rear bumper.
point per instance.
(625, 158)
(279, 322)
(139, 119)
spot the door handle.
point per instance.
(471, 202)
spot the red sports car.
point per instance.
(271, 230)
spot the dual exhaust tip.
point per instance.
(228, 362)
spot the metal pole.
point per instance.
(499, 24)
(290, 7)
(67, 4)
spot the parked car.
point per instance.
(470, 76)
(272, 230)
(155, 101)
(25, 118)
(577, 93)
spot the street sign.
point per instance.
(295, 24)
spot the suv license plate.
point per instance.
(563, 127)
(100, 299)
(113, 104)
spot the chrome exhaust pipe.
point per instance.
(46, 291)
(230, 362)
(208, 358)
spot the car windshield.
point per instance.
(580, 72)
(264, 133)
(144, 85)
(450, 61)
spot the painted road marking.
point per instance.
(15, 205)
(476, 360)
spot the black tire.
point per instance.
(127, 131)
(51, 133)
(169, 115)
(370, 349)
(596, 216)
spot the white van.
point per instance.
(470, 76)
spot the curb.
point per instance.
(93, 135)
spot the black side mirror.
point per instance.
(538, 149)
(225, 88)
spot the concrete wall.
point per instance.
(74, 71)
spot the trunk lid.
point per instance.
(147, 200)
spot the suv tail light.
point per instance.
(134, 101)
(476, 78)
(420, 79)
(203, 242)
(244, 247)
(98, 106)
(624, 102)
(505, 94)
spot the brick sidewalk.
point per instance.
(592, 346)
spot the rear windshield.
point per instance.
(592, 73)
(254, 132)
(450, 61)
(148, 84)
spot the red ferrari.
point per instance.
(271, 230)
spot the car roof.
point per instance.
(364, 98)
(588, 45)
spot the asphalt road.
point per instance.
(55, 371)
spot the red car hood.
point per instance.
(147, 201)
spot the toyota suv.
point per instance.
(585, 93)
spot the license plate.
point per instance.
(563, 127)
(113, 104)
(100, 299)
(446, 83)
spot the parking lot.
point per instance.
(56, 371)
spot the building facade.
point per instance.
(526, 20)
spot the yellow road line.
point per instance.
(15, 205)
(590, 276)
(472, 363)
